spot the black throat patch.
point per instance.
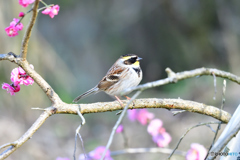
(138, 71)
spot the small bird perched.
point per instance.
(123, 74)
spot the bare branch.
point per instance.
(215, 86)
(8, 144)
(201, 124)
(148, 103)
(146, 150)
(174, 77)
(29, 30)
(228, 133)
(118, 123)
(177, 112)
(77, 133)
(37, 124)
(219, 125)
(9, 56)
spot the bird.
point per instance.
(124, 73)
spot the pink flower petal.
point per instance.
(21, 14)
(96, 154)
(25, 3)
(46, 11)
(19, 76)
(196, 152)
(51, 11)
(54, 11)
(144, 116)
(19, 26)
(132, 114)
(11, 88)
(162, 139)
(154, 127)
(119, 129)
(11, 31)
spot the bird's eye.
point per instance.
(132, 60)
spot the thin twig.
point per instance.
(24, 16)
(125, 139)
(12, 57)
(41, 109)
(200, 124)
(77, 134)
(215, 86)
(50, 5)
(219, 125)
(118, 123)
(177, 112)
(8, 144)
(29, 30)
(146, 150)
(211, 128)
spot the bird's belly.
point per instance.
(120, 86)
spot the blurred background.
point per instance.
(74, 50)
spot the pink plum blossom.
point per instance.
(21, 14)
(96, 154)
(19, 76)
(11, 88)
(154, 127)
(51, 11)
(18, 26)
(163, 138)
(46, 11)
(13, 29)
(119, 129)
(144, 116)
(196, 152)
(25, 3)
(132, 114)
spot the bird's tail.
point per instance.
(88, 93)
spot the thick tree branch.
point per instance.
(52, 95)
(113, 106)
(148, 103)
(29, 30)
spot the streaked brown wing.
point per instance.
(112, 77)
(115, 69)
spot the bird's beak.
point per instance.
(139, 58)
